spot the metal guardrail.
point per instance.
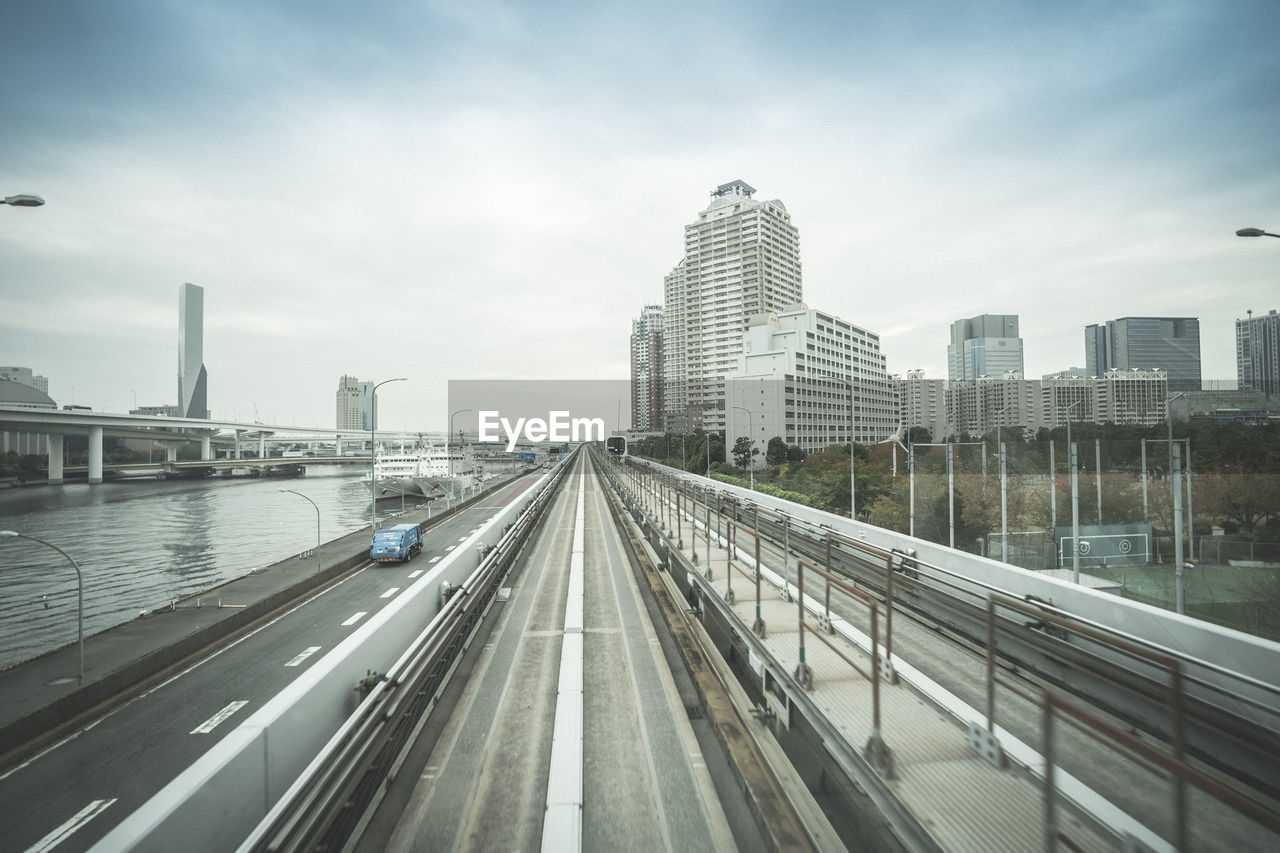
(338, 793)
(1232, 705)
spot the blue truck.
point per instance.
(396, 544)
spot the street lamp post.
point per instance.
(852, 513)
(1255, 232)
(449, 440)
(1004, 491)
(373, 452)
(1075, 499)
(79, 591)
(751, 468)
(317, 509)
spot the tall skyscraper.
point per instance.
(741, 258)
(646, 370)
(1258, 353)
(193, 399)
(355, 404)
(1171, 344)
(986, 345)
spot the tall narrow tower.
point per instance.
(193, 400)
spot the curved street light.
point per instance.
(373, 452)
(1255, 232)
(448, 441)
(23, 200)
(317, 509)
(79, 590)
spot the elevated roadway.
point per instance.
(900, 695)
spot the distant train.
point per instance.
(616, 445)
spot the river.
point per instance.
(143, 543)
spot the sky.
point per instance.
(493, 190)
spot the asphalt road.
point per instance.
(74, 792)
(644, 780)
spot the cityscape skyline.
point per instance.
(489, 191)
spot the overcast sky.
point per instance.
(479, 190)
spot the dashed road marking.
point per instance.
(354, 619)
(213, 722)
(451, 547)
(435, 559)
(415, 573)
(390, 592)
(62, 833)
(306, 653)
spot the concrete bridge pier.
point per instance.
(206, 448)
(95, 455)
(262, 445)
(55, 459)
(171, 452)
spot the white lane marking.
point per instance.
(354, 619)
(390, 592)
(451, 547)
(62, 833)
(415, 573)
(306, 653)
(465, 538)
(212, 723)
(435, 559)
(47, 750)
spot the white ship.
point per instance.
(433, 472)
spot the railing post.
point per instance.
(1050, 792)
(786, 557)
(886, 670)
(804, 675)
(984, 741)
(877, 751)
(730, 534)
(825, 621)
(758, 627)
(1182, 835)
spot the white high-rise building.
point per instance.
(813, 380)
(1258, 353)
(193, 393)
(355, 404)
(922, 402)
(741, 258)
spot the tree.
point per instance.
(743, 451)
(776, 453)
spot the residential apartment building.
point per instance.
(986, 345)
(1171, 344)
(646, 370)
(1258, 353)
(813, 380)
(922, 402)
(741, 258)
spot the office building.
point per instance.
(1258, 353)
(1133, 397)
(812, 379)
(193, 399)
(646, 370)
(355, 404)
(986, 345)
(1171, 344)
(25, 376)
(741, 258)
